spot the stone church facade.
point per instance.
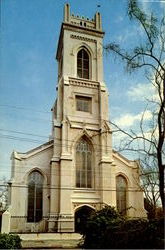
(77, 171)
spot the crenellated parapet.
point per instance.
(81, 21)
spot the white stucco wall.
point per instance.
(39, 159)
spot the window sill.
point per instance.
(82, 190)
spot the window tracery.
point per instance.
(83, 164)
(121, 192)
(83, 64)
(35, 197)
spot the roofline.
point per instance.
(123, 157)
(48, 144)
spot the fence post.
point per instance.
(5, 226)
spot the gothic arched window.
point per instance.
(35, 197)
(83, 64)
(121, 192)
(83, 164)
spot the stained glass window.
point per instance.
(83, 64)
(121, 192)
(83, 165)
(35, 197)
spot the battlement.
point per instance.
(94, 23)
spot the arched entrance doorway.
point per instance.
(81, 216)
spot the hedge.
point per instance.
(9, 241)
(106, 229)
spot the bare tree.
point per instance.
(3, 194)
(151, 56)
(150, 184)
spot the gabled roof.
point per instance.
(120, 157)
(20, 155)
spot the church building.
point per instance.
(54, 186)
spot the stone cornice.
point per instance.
(81, 29)
(83, 83)
(83, 38)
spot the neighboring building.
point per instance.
(55, 185)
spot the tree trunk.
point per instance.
(161, 178)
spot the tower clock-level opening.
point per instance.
(81, 216)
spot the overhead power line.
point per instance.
(55, 144)
(22, 133)
(49, 112)
(25, 108)
(70, 172)
(74, 188)
(20, 138)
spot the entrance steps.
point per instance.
(50, 240)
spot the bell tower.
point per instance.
(81, 167)
(76, 33)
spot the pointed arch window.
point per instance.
(83, 64)
(35, 197)
(121, 192)
(83, 164)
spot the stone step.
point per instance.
(50, 240)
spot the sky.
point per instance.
(28, 72)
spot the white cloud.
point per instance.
(142, 92)
(148, 135)
(128, 120)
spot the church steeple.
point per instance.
(80, 33)
(80, 116)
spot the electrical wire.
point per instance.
(49, 187)
(22, 133)
(58, 116)
(55, 144)
(20, 138)
(95, 173)
(25, 108)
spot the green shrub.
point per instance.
(134, 234)
(97, 225)
(9, 241)
(107, 229)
